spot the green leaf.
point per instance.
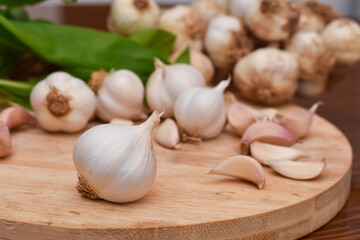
(81, 48)
(18, 3)
(158, 40)
(184, 57)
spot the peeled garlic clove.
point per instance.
(62, 102)
(121, 121)
(298, 124)
(240, 117)
(116, 162)
(167, 82)
(167, 134)
(16, 116)
(243, 167)
(299, 170)
(265, 153)
(5, 140)
(201, 111)
(119, 94)
(130, 16)
(266, 132)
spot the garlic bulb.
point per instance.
(314, 58)
(62, 102)
(131, 16)
(314, 15)
(226, 41)
(186, 24)
(240, 8)
(207, 9)
(267, 76)
(203, 64)
(167, 82)
(120, 94)
(270, 20)
(116, 162)
(201, 112)
(342, 36)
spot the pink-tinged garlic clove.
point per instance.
(266, 132)
(298, 124)
(167, 134)
(5, 140)
(16, 116)
(265, 153)
(299, 170)
(241, 116)
(243, 167)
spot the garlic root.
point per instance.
(266, 132)
(265, 153)
(299, 170)
(243, 167)
(167, 134)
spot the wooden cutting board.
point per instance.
(38, 199)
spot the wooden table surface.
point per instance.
(342, 108)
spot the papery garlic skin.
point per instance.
(184, 21)
(120, 95)
(167, 82)
(62, 102)
(203, 64)
(268, 76)
(314, 57)
(201, 112)
(207, 9)
(342, 36)
(130, 16)
(226, 41)
(271, 20)
(116, 162)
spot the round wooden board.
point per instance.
(38, 198)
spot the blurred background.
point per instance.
(45, 10)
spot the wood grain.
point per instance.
(38, 198)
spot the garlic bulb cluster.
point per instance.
(267, 76)
(184, 21)
(226, 41)
(313, 16)
(342, 36)
(208, 9)
(269, 20)
(62, 102)
(119, 94)
(201, 111)
(167, 82)
(131, 16)
(116, 162)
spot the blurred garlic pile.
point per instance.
(222, 33)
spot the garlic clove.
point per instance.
(5, 140)
(167, 134)
(243, 167)
(267, 113)
(299, 170)
(265, 153)
(17, 116)
(298, 124)
(203, 64)
(122, 121)
(241, 116)
(266, 132)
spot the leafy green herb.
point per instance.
(184, 56)
(20, 3)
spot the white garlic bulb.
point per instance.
(226, 41)
(62, 102)
(201, 112)
(116, 162)
(186, 24)
(167, 82)
(267, 76)
(208, 9)
(120, 94)
(131, 16)
(342, 36)
(239, 8)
